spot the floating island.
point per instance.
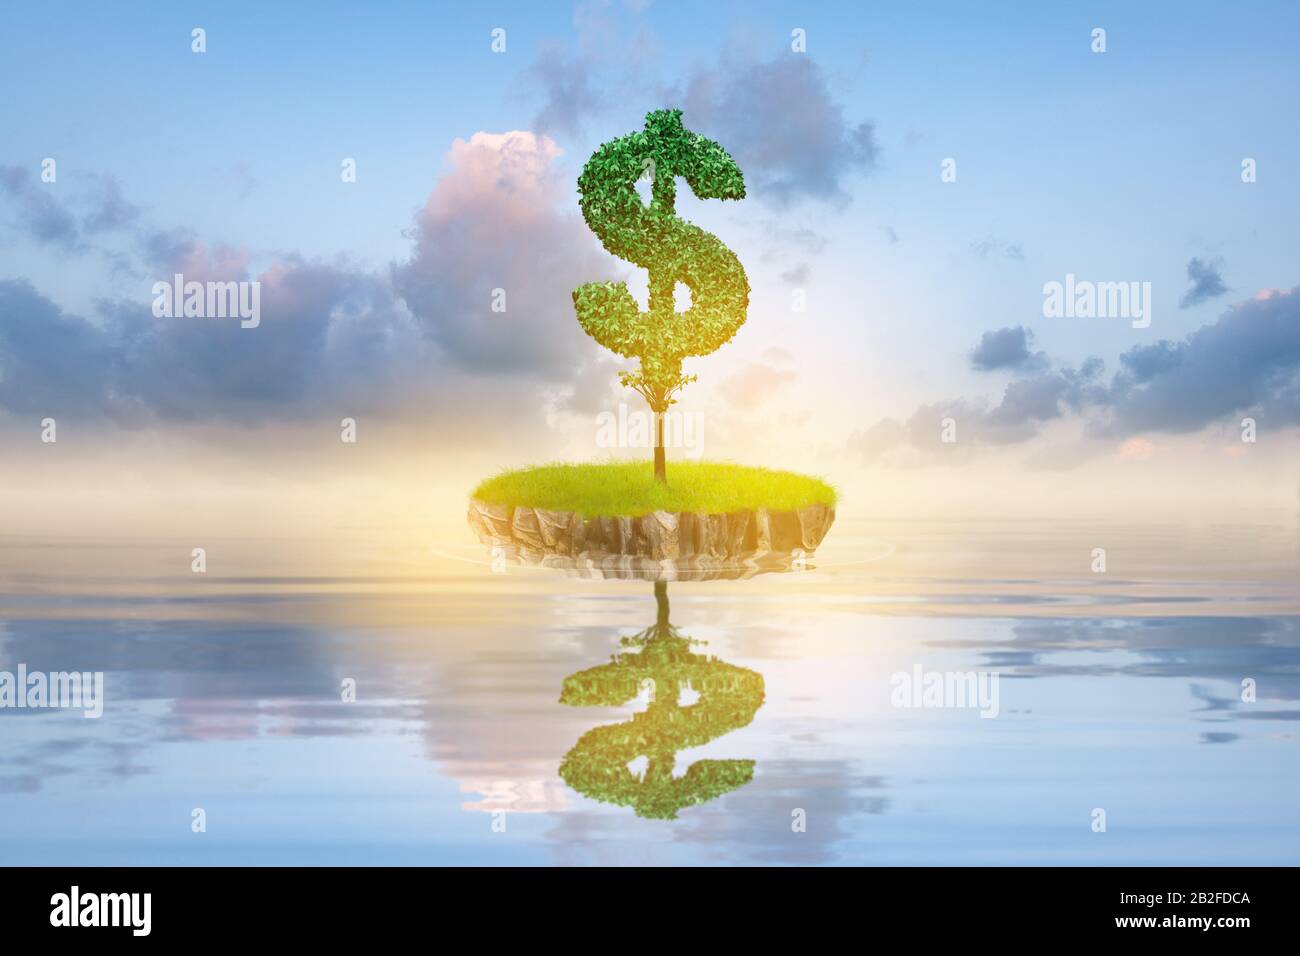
(714, 516)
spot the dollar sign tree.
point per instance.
(671, 249)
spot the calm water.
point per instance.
(532, 717)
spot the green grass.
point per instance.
(629, 488)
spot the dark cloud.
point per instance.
(163, 249)
(566, 89)
(32, 208)
(1207, 283)
(332, 334)
(326, 329)
(1007, 348)
(605, 66)
(1035, 399)
(109, 210)
(1147, 361)
(1025, 405)
(808, 154)
(328, 336)
(52, 362)
(1247, 362)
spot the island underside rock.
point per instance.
(658, 535)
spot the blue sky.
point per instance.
(1123, 165)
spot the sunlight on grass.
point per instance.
(629, 488)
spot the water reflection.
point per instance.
(632, 764)
(225, 694)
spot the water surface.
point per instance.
(525, 716)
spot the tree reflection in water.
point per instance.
(728, 698)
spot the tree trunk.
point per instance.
(661, 604)
(661, 465)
